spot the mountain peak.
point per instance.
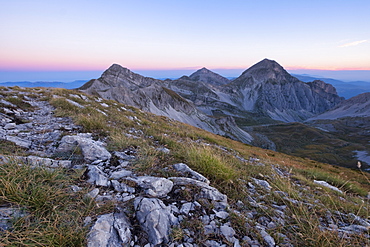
(117, 69)
(208, 76)
(267, 64)
(267, 70)
(201, 71)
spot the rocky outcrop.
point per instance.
(155, 218)
(110, 230)
(37, 131)
(91, 150)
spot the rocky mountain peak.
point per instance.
(116, 70)
(318, 86)
(267, 70)
(205, 75)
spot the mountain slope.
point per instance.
(358, 106)
(101, 173)
(150, 95)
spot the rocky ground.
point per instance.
(180, 210)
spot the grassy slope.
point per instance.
(304, 141)
(209, 154)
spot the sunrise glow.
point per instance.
(147, 35)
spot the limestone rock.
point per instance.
(97, 177)
(186, 170)
(207, 192)
(91, 150)
(120, 174)
(110, 230)
(154, 186)
(155, 218)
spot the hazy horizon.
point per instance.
(70, 76)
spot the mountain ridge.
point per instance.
(151, 95)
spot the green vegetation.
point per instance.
(304, 141)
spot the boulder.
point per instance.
(155, 218)
(155, 186)
(110, 230)
(186, 170)
(91, 150)
(97, 177)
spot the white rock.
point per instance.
(185, 169)
(326, 184)
(155, 186)
(155, 219)
(10, 126)
(110, 230)
(120, 174)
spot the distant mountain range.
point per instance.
(67, 85)
(346, 89)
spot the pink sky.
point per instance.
(164, 34)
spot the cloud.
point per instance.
(353, 43)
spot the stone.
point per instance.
(222, 215)
(8, 215)
(75, 103)
(211, 228)
(155, 186)
(213, 243)
(97, 177)
(76, 188)
(326, 184)
(10, 126)
(187, 207)
(270, 242)
(355, 229)
(19, 141)
(206, 192)
(228, 232)
(46, 162)
(264, 184)
(92, 194)
(122, 187)
(164, 150)
(91, 150)
(120, 174)
(186, 170)
(155, 219)
(110, 230)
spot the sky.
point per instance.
(172, 35)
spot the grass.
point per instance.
(304, 141)
(54, 214)
(216, 167)
(9, 148)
